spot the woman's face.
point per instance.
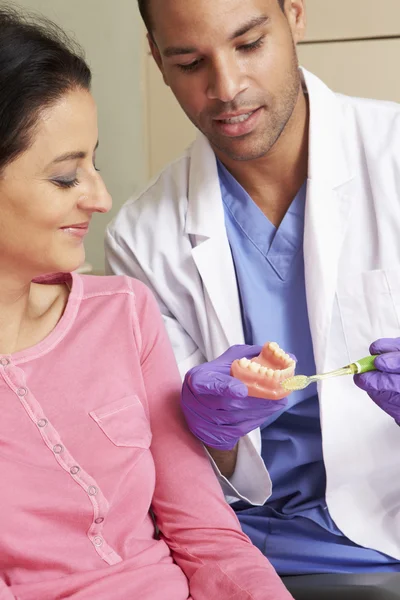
(49, 193)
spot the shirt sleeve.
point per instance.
(250, 481)
(121, 260)
(5, 593)
(201, 530)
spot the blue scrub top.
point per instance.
(294, 528)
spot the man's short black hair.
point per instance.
(144, 11)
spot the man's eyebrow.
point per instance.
(177, 50)
(255, 22)
(72, 156)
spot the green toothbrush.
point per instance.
(299, 382)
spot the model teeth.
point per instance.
(289, 360)
(255, 367)
(244, 362)
(279, 353)
(275, 374)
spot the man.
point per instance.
(281, 223)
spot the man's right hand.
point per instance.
(217, 406)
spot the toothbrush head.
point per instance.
(298, 382)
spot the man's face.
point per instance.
(232, 66)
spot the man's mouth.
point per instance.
(237, 124)
(236, 119)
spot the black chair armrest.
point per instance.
(373, 586)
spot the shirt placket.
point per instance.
(15, 378)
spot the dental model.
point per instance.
(263, 374)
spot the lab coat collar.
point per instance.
(329, 160)
(205, 215)
(329, 157)
(210, 247)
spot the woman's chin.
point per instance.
(67, 264)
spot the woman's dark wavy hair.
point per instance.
(145, 13)
(38, 65)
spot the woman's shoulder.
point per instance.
(109, 285)
(138, 302)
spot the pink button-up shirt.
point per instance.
(92, 444)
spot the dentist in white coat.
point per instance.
(278, 154)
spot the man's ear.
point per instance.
(156, 55)
(295, 12)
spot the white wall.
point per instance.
(112, 37)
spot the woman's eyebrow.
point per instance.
(72, 155)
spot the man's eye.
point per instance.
(253, 46)
(190, 67)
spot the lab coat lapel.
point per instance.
(325, 225)
(328, 204)
(211, 251)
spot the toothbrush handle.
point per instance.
(364, 364)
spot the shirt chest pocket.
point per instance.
(124, 422)
(370, 309)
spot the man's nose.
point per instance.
(226, 80)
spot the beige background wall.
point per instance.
(364, 65)
(112, 36)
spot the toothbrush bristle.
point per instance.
(298, 382)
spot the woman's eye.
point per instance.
(190, 67)
(66, 183)
(253, 46)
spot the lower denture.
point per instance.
(263, 374)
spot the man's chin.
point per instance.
(239, 150)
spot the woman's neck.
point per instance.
(28, 312)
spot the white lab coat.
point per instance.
(173, 237)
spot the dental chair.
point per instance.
(373, 586)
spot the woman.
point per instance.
(93, 451)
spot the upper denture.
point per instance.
(263, 374)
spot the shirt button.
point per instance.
(99, 520)
(98, 541)
(4, 362)
(42, 423)
(22, 391)
(57, 449)
(92, 491)
(74, 470)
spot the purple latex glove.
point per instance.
(383, 385)
(217, 407)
